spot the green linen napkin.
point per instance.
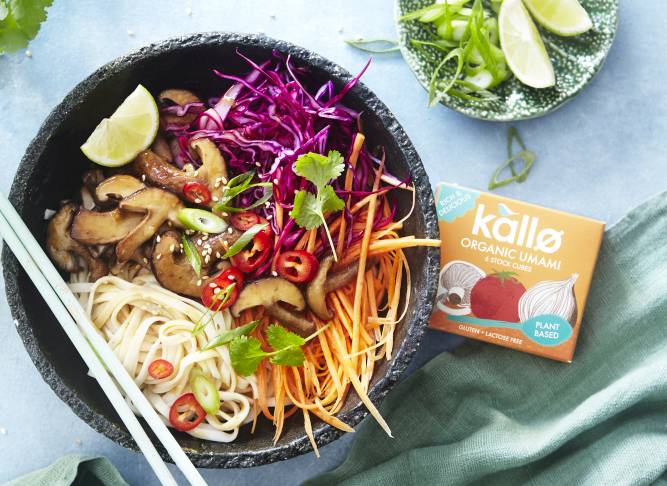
(73, 470)
(489, 415)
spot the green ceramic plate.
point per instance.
(576, 61)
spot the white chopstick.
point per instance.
(67, 309)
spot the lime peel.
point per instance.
(117, 140)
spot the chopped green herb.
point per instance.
(377, 46)
(192, 254)
(20, 21)
(246, 353)
(244, 239)
(310, 209)
(526, 156)
(236, 186)
(226, 337)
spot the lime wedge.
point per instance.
(562, 17)
(523, 47)
(132, 128)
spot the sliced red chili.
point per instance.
(298, 266)
(186, 413)
(197, 193)
(250, 259)
(160, 368)
(244, 221)
(215, 294)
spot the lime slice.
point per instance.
(562, 17)
(523, 46)
(132, 128)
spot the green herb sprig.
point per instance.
(191, 254)
(226, 337)
(310, 209)
(246, 352)
(19, 22)
(244, 239)
(526, 156)
(375, 46)
(235, 186)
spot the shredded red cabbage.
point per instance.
(265, 120)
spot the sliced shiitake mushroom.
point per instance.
(98, 228)
(179, 97)
(323, 283)
(171, 268)
(161, 147)
(214, 246)
(117, 187)
(213, 165)
(156, 206)
(269, 293)
(159, 172)
(64, 250)
(135, 220)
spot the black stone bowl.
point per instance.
(50, 171)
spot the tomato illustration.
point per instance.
(496, 297)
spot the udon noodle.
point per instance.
(143, 321)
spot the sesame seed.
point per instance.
(169, 224)
(269, 217)
(276, 181)
(158, 238)
(172, 247)
(199, 241)
(198, 282)
(230, 230)
(196, 173)
(223, 180)
(143, 177)
(158, 256)
(146, 260)
(197, 201)
(207, 259)
(258, 164)
(215, 198)
(274, 273)
(218, 255)
(204, 238)
(217, 291)
(205, 277)
(225, 214)
(213, 285)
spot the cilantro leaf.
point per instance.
(19, 22)
(320, 169)
(279, 337)
(287, 345)
(228, 336)
(307, 210)
(246, 353)
(329, 200)
(292, 356)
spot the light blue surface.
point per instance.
(598, 156)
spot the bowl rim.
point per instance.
(323, 433)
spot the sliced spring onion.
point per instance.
(268, 194)
(226, 337)
(526, 156)
(244, 239)
(236, 186)
(201, 220)
(192, 254)
(377, 46)
(204, 390)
